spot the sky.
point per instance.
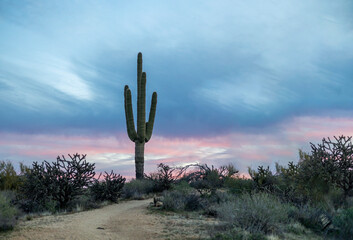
(241, 82)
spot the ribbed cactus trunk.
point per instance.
(144, 129)
(139, 159)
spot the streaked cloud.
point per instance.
(236, 81)
(241, 149)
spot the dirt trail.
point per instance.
(126, 220)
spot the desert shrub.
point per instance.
(258, 212)
(163, 178)
(9, 180)
(82, 202)
(60, 181)
(34, 192)
(343, 222)
(311, 180)
(236, 234)
(7, 213)
(263, 178)
(336, 160)
(182, 186)
(108, 189)
(286, 183)
(221, 196)
(180, 201)
(211, 203)
(315, 218)
(239, 185)
(137, 189)
(207, 179)
(335, 198)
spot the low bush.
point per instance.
(263, 178)
(137, 189)
(212, 203)
(256, 213)
(180, 201)
(315, 218)
(182, 186)
(9, 180)
(163, 178)
(239, 185)
(83, 202)
(207, 179)
(109, 189)
(234, 233)
(343, 223)
(7, 213)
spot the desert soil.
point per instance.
(127, 220)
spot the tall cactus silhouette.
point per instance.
(144, 129)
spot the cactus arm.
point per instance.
(141, 111)
(149, 124)
(139, 70)
(130, 125)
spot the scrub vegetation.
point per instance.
(311, 199)
(65, 185)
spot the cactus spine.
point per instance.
(144, 129)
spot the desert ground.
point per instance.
(127, 220)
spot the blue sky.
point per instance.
(228, 70)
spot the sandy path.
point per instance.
(126, 220)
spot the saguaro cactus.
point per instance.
(144, 129)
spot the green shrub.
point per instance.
(236, 234)
(211, 203)
(180, 201)
(264, 179)
(239, 185)
(83, 202)
(182, 186)
(256, 213)
(315, 218)
(343, 222)
(137, 189)
(109, 189)
(7, 213)
(207, 179)
(60, 181)
(9, 180)
(163, 178)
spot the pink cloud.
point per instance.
(241, 149)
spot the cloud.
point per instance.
(241, 149)
(238, 82)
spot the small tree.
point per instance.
(336, 158)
